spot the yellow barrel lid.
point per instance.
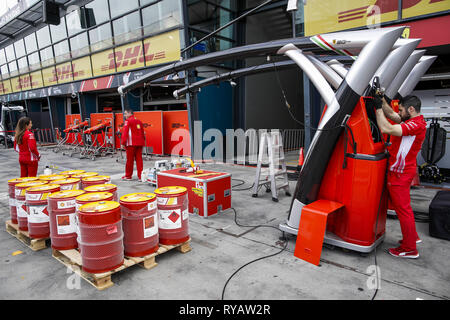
(66, 194)
(170, 190)
(99, 206)
(52, 177)
(100, 187)
(44, 187)
(72, 172)
(85, 174)
(30, 184)
(66, 181)
(96, 178)
(138, 197)
(23, 179)
(96, 196)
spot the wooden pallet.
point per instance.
(101, 281)
(24, 237)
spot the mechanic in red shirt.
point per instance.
(133, 139)
(25, 145)
(407, 136)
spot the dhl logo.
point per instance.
(382, 7)
(131, 56)
(27, 82)
(67, 72)
(2, 88)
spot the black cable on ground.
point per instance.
(261, 258)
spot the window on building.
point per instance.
(101, 12)
(127, 28)
(160, 16)
(13, 68)
(23, 64)
(19, 46)
(62, 51)
(4, 71)
(73, 22)
(2, 57)
(119, 7)
(33, 60)
(59, 32)
(9, 50)
(30, 43)
(47, 56)
(79, 45)
(101, 37)
(43, 35)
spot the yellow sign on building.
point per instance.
(82, 68)
(335, 15)
(103, 63)
(15, 84)
(36, 79)
(64, 72)
(5, 87)
(25, 82)
(162, 48)
(49, 76)
(129, 56)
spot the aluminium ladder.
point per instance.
(276, 178)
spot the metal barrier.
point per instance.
(44, 136)
(293, 139)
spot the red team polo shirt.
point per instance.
(403, 151)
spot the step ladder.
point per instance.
(276, 178)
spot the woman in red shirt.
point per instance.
(25, 145)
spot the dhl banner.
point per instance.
(15, 83)
(5, 87)
(49, 76)
(36, 79)
(152, 51)
(98, 63)
(155, 50)
(82, 68)
(162, 48)
(336, 15)
(25, 82)
(130, 56)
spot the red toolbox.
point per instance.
(209, 192)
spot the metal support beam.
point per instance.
(307, 111)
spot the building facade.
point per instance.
(75, 67)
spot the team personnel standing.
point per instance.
(133, 139)
(408, 135)
(25, 145)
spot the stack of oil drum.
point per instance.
(81, 210)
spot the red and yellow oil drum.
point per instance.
(71, 173)
(94, 180)
(12, 196)
(63, 222)
(69, 183)
(21, 205)
(108, 187)
(38, 215)
(92, 197)
(52, 177)
(173, 216)
(84, 175)
(89, 198)
(140, 224)
(101, 236)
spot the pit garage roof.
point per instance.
(29, 18)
